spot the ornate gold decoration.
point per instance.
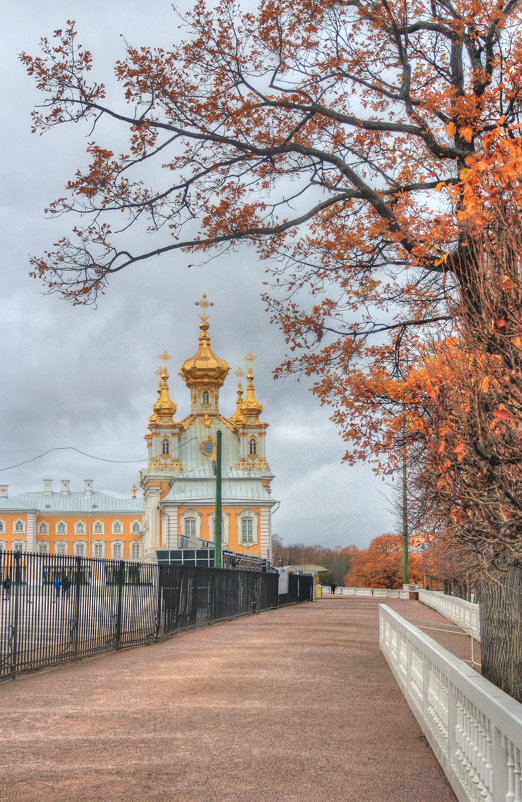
(254, 464)
(209, 454)
(164, 408)
(251, 408)
(207, 420)
(204, 368)
(134, 490)
(237, 418)
(165, 463)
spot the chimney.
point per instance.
(65, 486)
(87, 487)
(48, 486)
(4, 491)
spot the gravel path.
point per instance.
(292, 704)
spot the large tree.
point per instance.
(321, 133)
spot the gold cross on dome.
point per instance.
(164, 356)
(250, 357)
(204, 303)
(239, 373)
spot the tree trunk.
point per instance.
(501, 630)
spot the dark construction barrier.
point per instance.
(102, 605)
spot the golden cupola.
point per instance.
(251, 408)
(164, 408)
(204, 368)
(237, 417)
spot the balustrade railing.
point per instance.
(463, 613)
(474, 729)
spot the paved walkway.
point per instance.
(292, 704)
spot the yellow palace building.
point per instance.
(179, 483)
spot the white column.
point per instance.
(151, 539)
(265, 539)
(31, 532)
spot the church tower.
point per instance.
(179, 482)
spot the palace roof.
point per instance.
(96, 503)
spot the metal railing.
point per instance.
(474, 729)
(54, 609)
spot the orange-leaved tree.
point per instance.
(380, 565)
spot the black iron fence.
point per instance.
(55, 609)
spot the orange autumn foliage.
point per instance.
(380, 565)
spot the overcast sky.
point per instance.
(84, 377)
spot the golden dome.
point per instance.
(164, 408)
(204, 367)
(237, 417)
(251, 408)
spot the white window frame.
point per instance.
(80, 548)
(19, 527)
(205, 397)
(165, 447)
(42, 547)
(190, 514)
(98, 528)
(3, 546)
(60, 528)
(2, 527)
(59, 549)
(116, 545)
(43, 528)
(252, 440)
(135, 527)
(98, 546)
(80, 528)
(117, 528)
(247, 515)
(225, 518)
(135, 550)
(18, 545)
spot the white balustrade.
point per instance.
(384, 593)
(463, 613)
(474, 729)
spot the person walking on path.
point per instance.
(332, 588)
(65, 585)
(57, 587)
(7, 587)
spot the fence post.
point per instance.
(161, 569)
(15, 589)
(77, 584)
(120, 593)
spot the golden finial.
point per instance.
(239, 373)
(204, 303)
(134, 490)
(250, 357)
(164, 356)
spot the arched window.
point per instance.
(189, 527)
(117, 550)
(165, 447)
(2, 546)
(79, 548)
(247, 528)
(2, 527)
(135, 550)
(43, 547)
(19, 526)
(43, 528)
(252, 445)
(60, 548)
(117, 528)
(19, 545)
(135, 528)
(98, 548)
(205, 398)
(98, 528)
(61, 528)
(79, 528)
